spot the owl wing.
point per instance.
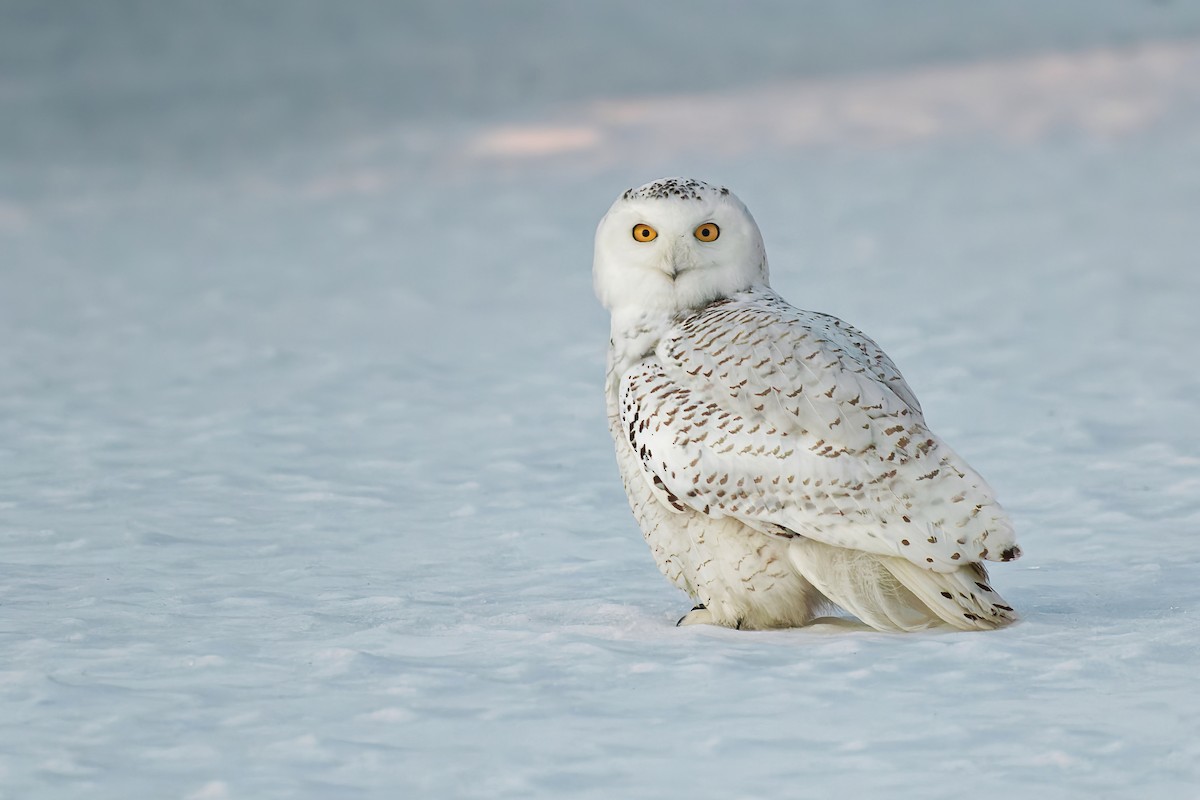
(796, 423)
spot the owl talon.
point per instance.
(699, 615)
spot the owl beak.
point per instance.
(676, 262)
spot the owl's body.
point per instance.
(775, 459)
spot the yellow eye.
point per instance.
(644, 233)
(708, 232)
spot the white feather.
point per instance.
(741, 421)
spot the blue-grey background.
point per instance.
(305, 486)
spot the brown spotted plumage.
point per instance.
(775, 458)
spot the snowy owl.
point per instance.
(775, 459)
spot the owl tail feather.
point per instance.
(962, 599)
(892, 594)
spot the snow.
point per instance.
(305, 483)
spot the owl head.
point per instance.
(675, 244)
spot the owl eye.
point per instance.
(644, 233)
(708, 232)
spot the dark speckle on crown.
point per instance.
(682, 188)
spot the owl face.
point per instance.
(676, 244)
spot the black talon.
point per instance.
(699, 607)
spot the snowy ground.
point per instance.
(305, 486)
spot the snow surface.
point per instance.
(305, 483)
